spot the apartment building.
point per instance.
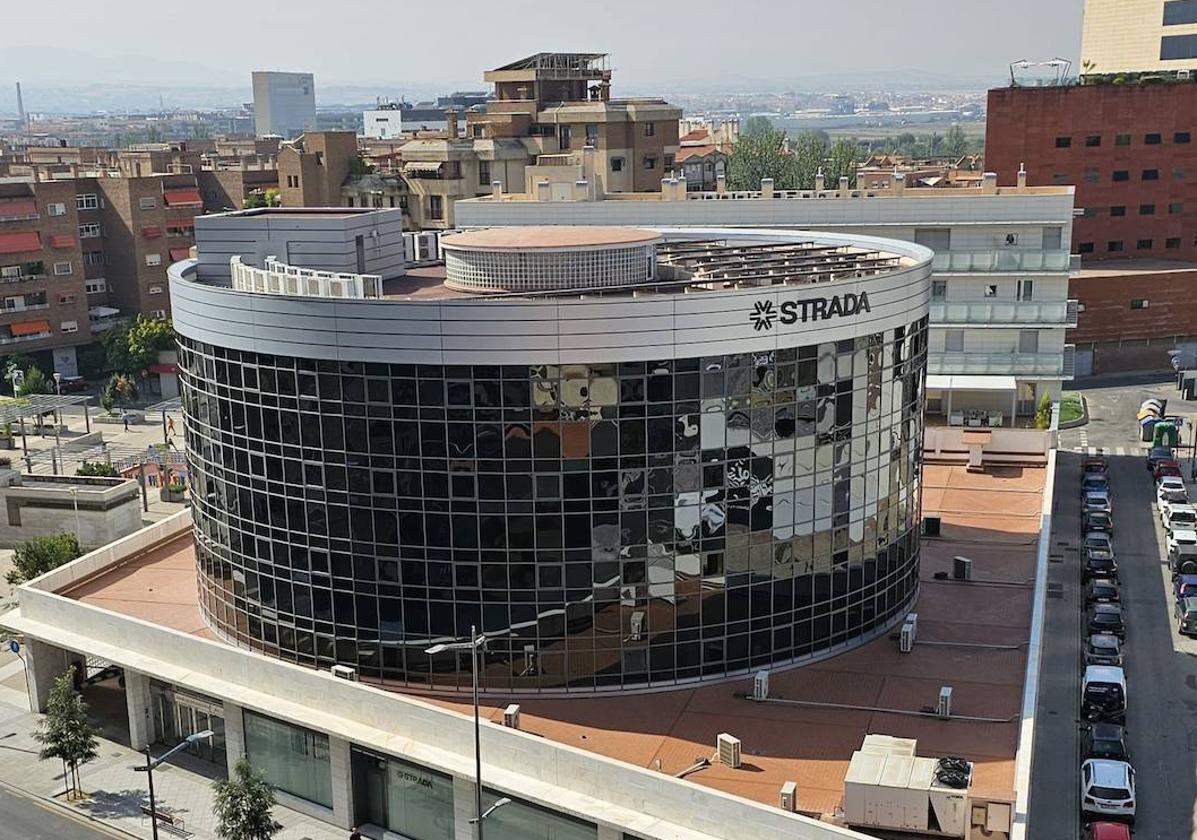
(1120, 36)
(43, 299)
(1000, 304)
(312, 170)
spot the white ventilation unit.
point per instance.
(943, 710)
(912, 618)
(962, 568)
(511, 716)
(760, 685)
(906, 638)
(1184, 75)
(344, 672)
(729, 750)
(788, 801)
(637, 623)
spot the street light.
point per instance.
(151, 763)
(75, 503)
(476, 643)
(499, 803)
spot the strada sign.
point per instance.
(765, 313)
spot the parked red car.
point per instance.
(1107, 831)
(1166, 467)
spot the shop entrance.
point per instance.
(178, 714)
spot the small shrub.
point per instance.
(97, 469)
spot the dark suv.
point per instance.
(1186, 615)
(1102, 591)
(1107, 618)
(1106, 740)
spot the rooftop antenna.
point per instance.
(20, 108)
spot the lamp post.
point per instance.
(57, 422)
(151, 763)
(75, 504)
(474, 646)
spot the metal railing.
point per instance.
(1001, 260)
(281, 279)
(17, 339)
(1046, 365)
(995, 313)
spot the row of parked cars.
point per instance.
(1107, 777)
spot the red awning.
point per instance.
(18, 209)
(163, 368)
(177, 254)
(187, 222)
(62, 240)
(183, 198)
(30, 328)
(151, 231)
(16, 243)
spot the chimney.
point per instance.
(899, 183)
(544, 191)
(1022, 176)
(665, 196)
(766, 187)
(496, 189)
(451, 123)
(844, 184)
(682, 187)
(820, 180)
(721, 183)
(989, 183)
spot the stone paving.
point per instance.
(115, 792)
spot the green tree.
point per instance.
(842, 158)
(254, 200)
(243, 805)
(131, 349)
(759, 153)
(273, 197)
(65, 732)
(810, 150)
(35, 383)
(120, 389)
(956, 142)
(97, 469)
(37, 555)
(1043, 415)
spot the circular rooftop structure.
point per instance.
(545, 259)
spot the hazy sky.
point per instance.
(218, 42)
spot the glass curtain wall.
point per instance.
(293, 759)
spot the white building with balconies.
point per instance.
(1000, 307)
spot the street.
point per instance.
(1161, 668)
(24, 818)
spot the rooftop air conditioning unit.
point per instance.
(906, 638)
(943, 711)
(1184, 75)
(637, 623)
(760, 686)
(511, 716)
(962, 568)
(344, 672)
(729, 750)
(788, 801)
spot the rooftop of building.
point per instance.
(537, 237)
(826, 707)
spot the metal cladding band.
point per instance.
(622, 493)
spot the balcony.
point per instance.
(1004, 313)
(948, 262)
(1024, 365)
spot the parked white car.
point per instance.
(1171, 489)
(1181, 537)
(1108, 789)
(1176, 516)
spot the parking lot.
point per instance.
(1160, 665)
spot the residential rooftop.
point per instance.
(829, 706)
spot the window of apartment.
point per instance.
(320, 158)
(650, 129)
(991, 290)
(937, 239)
(87, 201)
(1028, 341)
(436, 207)
(62, 268)
(1151, 174)
(484, 172)
(1145, 244)
(1026, 289)
(1121, 175)
(69, 326)
(1053, 238)
(617, 164)
(1011, 238)
(66, 299)
(1093, 140)
(147, 202)
(1176, 208)
(1090, 175)
(1084, 248)
(1153, 139)
(650, 162)
(160, 314)
(669, 161)
(1139, 303)
(1061, 178)
(89, 231)
(1118, 210)
(1146, 209)
(93, 257)
(1178, 47)
(953, 341)
(563, 136)
(1063, 142)
(939, 289)
(1089, 212)
(1181, 137)
(592, 135)
(154, 290)
(479, 130)
(293, 181)
(1122, 139)
(1179, 12)
(56, 208)
(1172, 243)
(1114, 245)
(153, 259)
(95, 287)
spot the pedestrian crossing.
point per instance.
(1110, 451)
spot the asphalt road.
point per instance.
(26, 819)
(1161, 666)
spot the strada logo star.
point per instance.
(763, 315)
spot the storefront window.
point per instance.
(521, 821)
(293, 759)
(419, 802)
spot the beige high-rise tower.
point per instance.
(1121, 36)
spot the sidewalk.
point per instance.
(116, 791)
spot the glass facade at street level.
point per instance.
(607, 525)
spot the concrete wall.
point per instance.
(104, 513)
(946, 444)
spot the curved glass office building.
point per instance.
(709, 470)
